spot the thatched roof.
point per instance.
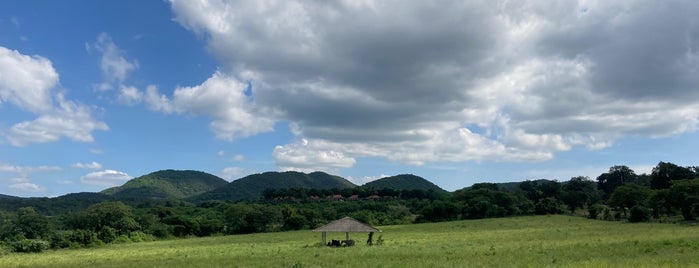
(347, 224)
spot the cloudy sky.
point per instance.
(93, 93)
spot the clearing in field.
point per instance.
(534, 241)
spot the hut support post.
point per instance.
(347, 236)
(323, 238)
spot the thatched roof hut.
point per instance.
(346, 225)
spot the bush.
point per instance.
(139, 236)
(85, 238)
(594, 211)
(122, 239)
(639, 214)
(60, 239)
(4, 249)
(30, 245)
(107, 234)
(160, 230)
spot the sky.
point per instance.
(94, 93)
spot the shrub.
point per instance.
(122, 239)
(60, 239)
(86, 238)
(594, 211)
(139, 236)
(639, 214)
(4, 249)
(30, 245)
(107, 234)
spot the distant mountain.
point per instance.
(403, 182)
(252, 186)
(55, 205)
(167, 184)
(2, 196)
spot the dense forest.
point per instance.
(120, 215)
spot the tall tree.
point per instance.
(684, 194)
(114, 214)
(31, 224)
(616, 176)
(629, 195)
(578, 192)
(664, 173)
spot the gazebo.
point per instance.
(346, 225)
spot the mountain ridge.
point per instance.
(252, 186)
(403, 182)
(167, 184)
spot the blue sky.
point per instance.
(94, 93)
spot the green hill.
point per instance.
(167, 184)
(2, 196)
(403, 182)
(252, 186)
(55, 205)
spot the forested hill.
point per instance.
(2, 196)
(168, 184)
(252, 186)
(403, 182)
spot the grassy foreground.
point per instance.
(537, 241)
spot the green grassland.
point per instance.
(535, 241)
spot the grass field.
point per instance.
(537, 241)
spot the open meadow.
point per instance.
(533, 241)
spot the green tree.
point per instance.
(629, 195)
(31, 224)
(114, 214)
(664, 173)
(579, 192)
(616, 176)
(684, 194)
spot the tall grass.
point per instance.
(538, 241)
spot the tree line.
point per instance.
(669, 194)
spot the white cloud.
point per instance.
(238, 158)
(27, 187)
(233, 173)
(307, 156)
(157, 101)
(220, 97)
(24, 184)
(24, 170)
(114, 65)
(106, 178)
(365, 179)
(516, 81)
(26, 81)
(129, 95)
(70, 119)
(91, 165)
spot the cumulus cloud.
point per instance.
(129, 95)
(221, 97)
(24, 185)
(309, 156)
(27, 83)
(106, 178)
(418, 82)
(91, 165)
(70, 119)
